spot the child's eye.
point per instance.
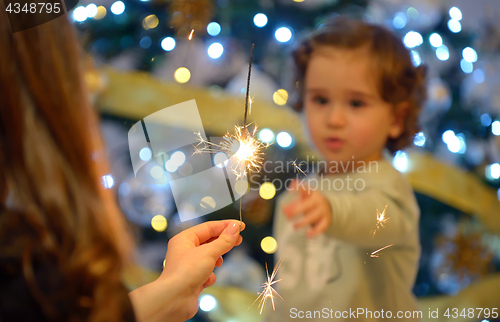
(321, 100)
(357, 103)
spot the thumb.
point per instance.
(226, 240)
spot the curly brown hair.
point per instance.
(399, 80)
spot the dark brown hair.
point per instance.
(399, 80)
(59, 217)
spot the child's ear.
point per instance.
(398, 122)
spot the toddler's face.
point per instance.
(345, 114)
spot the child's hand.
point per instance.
(314, 206)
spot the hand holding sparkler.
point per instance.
(191, 258)
(316, 210)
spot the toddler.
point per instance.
(360, 95)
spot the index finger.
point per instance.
(207, 230)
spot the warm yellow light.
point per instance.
(159, 223)
(101, 13)
(241, 186)
(150, 22)
(267, 190)
(245, 150)
(182, 75)
(164, 262)
(298, 0)
(280, 97)
(269, 245)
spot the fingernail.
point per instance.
(233, 229)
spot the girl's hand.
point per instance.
(191, 258)
(316, 210)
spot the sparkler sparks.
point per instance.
(381, 220)
(297, 167)
(374, 254)
(191, 34)
(269, 292)
(248, 150)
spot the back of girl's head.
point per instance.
(58, 216)
(398, 79)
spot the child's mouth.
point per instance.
(334, 143)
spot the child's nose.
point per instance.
(336, 117)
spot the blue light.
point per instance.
(413, 39)
(213, 29)
(207, 303)
(178, 158)
(284, 139)
(485, 120)
(91, 10)
(466, 66)
(260, 20)
(419, 139)
(454, 25)
(118, 7)
(492, 171)
(283, 34)
(266, 135)
(168, 43)
(220, 160)
(399, 20)
(442, 53)
(416, 58)
(107, 181)
(145, 154)
(495, 128)
(462, 145)
(80, 14)
(478, 76)
(400, 161)
(145, 42)
(435, 40)
(469, 54)
(215, 50)
(455, 13)
(448, 136)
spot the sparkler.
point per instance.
(381, 220)
(374, 254)
(269, 292)
(297, 167)
(191, 34)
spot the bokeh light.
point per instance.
(156, 172)
(283, 34)
(269, 245)
(260, 20)
(91, 10)
(413, 39)
(454, 25)
(182, 75)
(159, 223)
(284, 139)
(400, 161)
(145, 42)
(436, 40)
(215, 50)
(168, 43)
(267, 190)
(466, 66)
(178, 158)
(455, 13)
(280, 97)
(101, 13)
(207, 303)
(80, 14)
(118, 7)
(213, 29)
(469, 54)
(419, 139)
(399, 20)
(495, 128)
(108, 181)
(145, 154)
(442, 53)
(220, 159)
(266, 135)
(485, 120)
(150, 22)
